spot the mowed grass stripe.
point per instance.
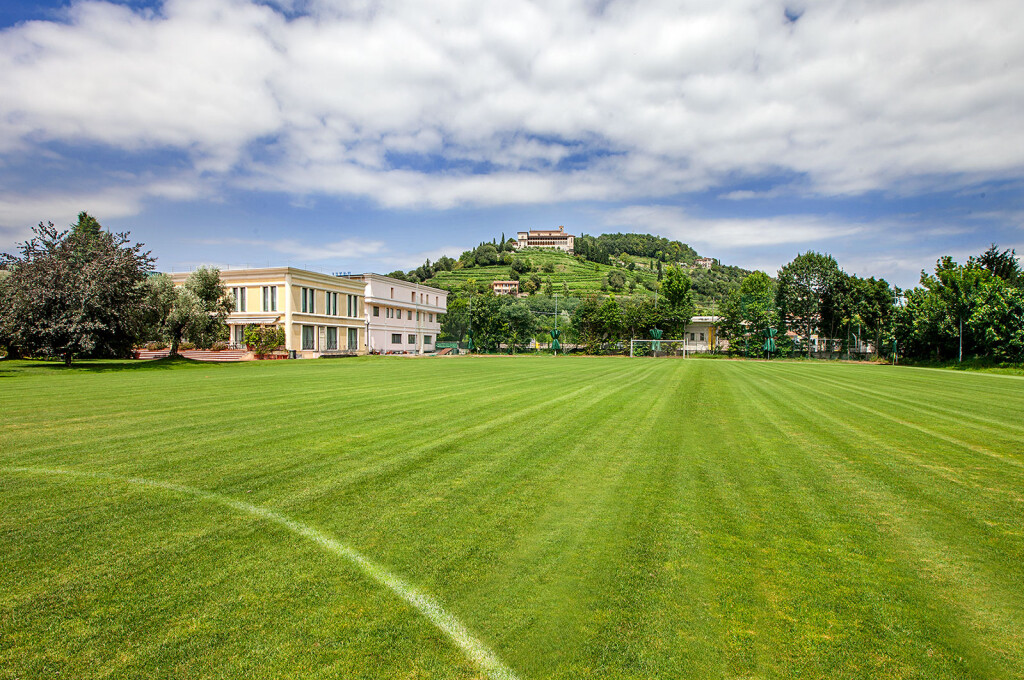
(820, 506)
(585, 518)
(949, 412)
(927, 525)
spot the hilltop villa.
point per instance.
(546, 238)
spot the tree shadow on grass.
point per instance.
(105, 366)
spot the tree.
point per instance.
(455, 320)
(160, 295)
(444, 264)
(998, 321)
(1002, 264)
(518, 323)
(76, 293)
(521, 265)
(749, 310)
(804, 286)
(616, 281)
(676, 288)
(200, 307)
(486, 254)
(958, 287)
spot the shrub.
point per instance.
(264, 339)
(154, 345)
(219, 345)
(186, 345)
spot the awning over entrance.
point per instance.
(255, 320)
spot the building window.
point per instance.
(392, 293)
(376, 310)
(409, 314)
(427, 339)
(353, 338)
(269, 298)
(691, 336)
(353, 305)
(332, 303)
(412, 339)
(308, 301)
(396, 338)
(332, 338)
(431, 316)
(239, 295)
(239, 335)
(308, 337)
(413, 298)
(702, 337)
(417, 316)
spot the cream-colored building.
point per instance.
(401, 317)
(546, 238)
(322, 315)
(505, 287)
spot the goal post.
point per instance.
(639, 347)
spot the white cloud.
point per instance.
(733, 233)
(296, 250)
(19, 212)
(855, 96)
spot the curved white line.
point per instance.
(473, 648)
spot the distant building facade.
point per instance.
(505, 287)
(321, 315)
(704, 262)
(701, 334)
(401, 317)
(546, 238)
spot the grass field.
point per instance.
(510, 518)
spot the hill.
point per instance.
(573, 275)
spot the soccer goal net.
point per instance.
(660, 348)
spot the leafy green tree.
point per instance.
(678, 301)
(749, 310)
(486, 254)
(517, 322)
(72, 294)
(521, 265)
(455, 320)
(958, 288)
(160, 295)
(1003, 264)
(445, 264)
(616, 281)
(200, 307)
(997, 321)
(805, 285)
(675, 288)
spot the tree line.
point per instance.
(971, 309)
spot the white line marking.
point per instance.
(473, 648)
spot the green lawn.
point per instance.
(529, 517)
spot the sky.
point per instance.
(370, 135)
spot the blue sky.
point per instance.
(369, 135)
